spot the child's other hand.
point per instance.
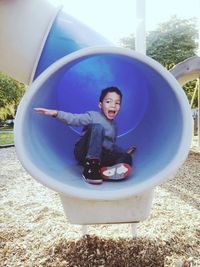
(48, 112)
(131, 149)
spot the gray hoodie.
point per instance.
(91, 117)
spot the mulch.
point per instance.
(35, 232)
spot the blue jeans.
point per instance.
(90, 146)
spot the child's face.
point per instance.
(110, 105)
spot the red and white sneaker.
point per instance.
(116, 172)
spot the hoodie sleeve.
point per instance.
(75, 119)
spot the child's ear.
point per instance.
(100, 105)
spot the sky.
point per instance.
(116, 19)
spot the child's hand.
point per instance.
(48, 112)
(131, 150)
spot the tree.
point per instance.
(11, 92)
(128, 42)
(172, 42)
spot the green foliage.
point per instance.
(189, 89)
(11, 92)
(128, 42)
(172, 42)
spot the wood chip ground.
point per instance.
(35, 232)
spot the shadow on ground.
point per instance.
(93, 251)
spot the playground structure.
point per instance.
(184, 72)
(187, 70)
(159, 125)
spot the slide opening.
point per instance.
(153, 117)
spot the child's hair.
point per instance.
(110, 90)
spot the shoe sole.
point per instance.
(91, 181)
(117, 172)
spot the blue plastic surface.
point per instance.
(151, 118)
(66, 36)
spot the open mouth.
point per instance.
(111, 113)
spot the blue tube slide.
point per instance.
(66, 36)
(155, 116)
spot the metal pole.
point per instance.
(84, 230)
(134, 230)
(140, 36)
(198, 81)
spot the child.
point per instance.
(96, 149)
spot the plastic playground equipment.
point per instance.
(187, 70)
(66, 66)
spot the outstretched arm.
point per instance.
(67, 117)
(48, 112)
